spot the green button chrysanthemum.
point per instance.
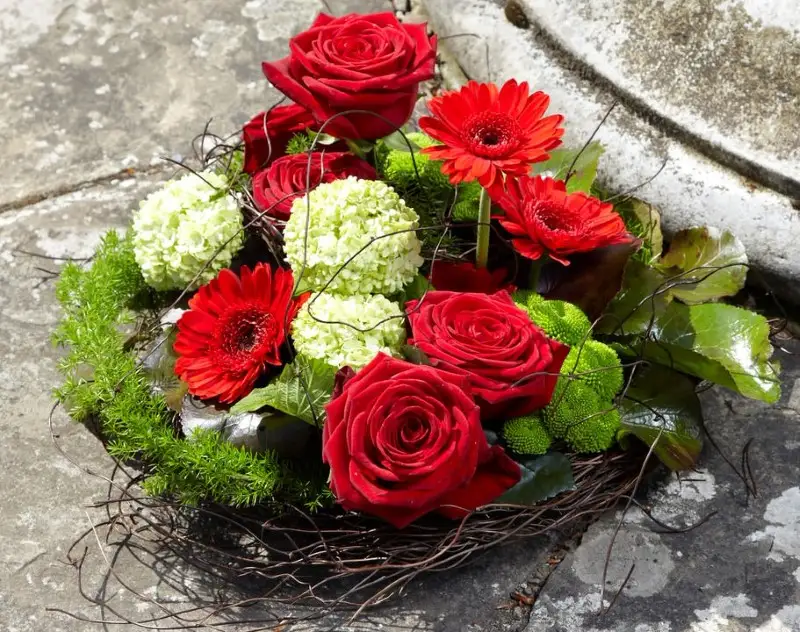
(348, 330)
(182, 226)
(347, 216)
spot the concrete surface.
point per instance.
(738, 571)
(752, 198)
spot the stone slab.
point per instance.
(94, 87)
(737, 572)
(724, 74)
(45, 499)
(689, 187)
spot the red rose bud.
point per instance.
(268, 133)
(544, 219)
(464, 276)
(509, 362)
(356, 62)
(403, 440)
(275, 188)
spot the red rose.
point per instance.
(510, 363)
(544, 219)
(403, 440)
(464, 276)
(356, 62)
(268, 133)
(276, 187)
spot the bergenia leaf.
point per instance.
(543, 477)
(661, 409)
(720, 343)
(704, 264)
(301, 390)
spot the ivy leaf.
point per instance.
(584, 171)
(709, 264)
(301, 390)
(661, 409)
(641, 301)
(400, 142)
(644, 221)
(720, 343)
(543, 477)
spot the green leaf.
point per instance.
(543, 477)
(661, 409)
(641, 301)
(584, 171)
(415, 355)
(301, 390)
(708, 264)
(400, 142)
(321, 139)
(416, 289)
(720, 343)
(644, 221)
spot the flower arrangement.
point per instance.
(455, 324)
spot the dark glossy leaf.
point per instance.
(415, 355)
(491, 436)
(584, 169)
(417, 288)
(591, 280)
(642, 299)
(661, 409)
(400, 142)
(301, 390)
(543, 477)
(720, 343)
(706, 264)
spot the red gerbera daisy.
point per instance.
(233, 330)
(544, 219)
(489, 132)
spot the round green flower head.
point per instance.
(353, 329)
(346, 216)
(180, 227)
(527, 435)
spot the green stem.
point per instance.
(484, 230)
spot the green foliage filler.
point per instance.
(104, 384)
(527, 435)
(425, 188)
(582, 409)
(560, 320)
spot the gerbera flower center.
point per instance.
(491, 134)
(245, 332)
(555, 217)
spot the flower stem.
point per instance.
(484, 230)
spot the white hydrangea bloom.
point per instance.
(343, 344)
(181, 226)
(346, 216)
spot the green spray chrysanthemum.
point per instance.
(186, 224)
(360, 238)
(348, 330)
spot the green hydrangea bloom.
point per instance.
(182, 226)
(527, 435)
(560, 320)
(357, 328)
(346, 250)
(596, 364)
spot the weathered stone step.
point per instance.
(643, 156)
